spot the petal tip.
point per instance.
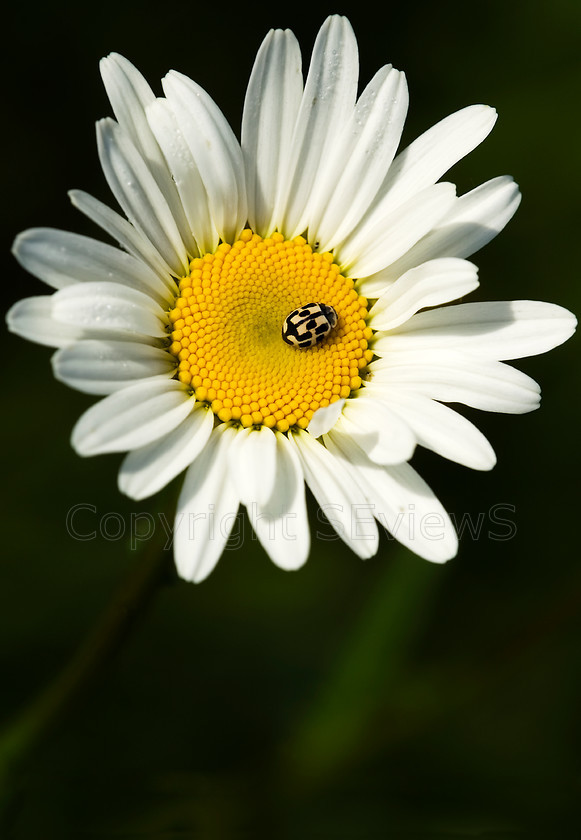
(325, 418)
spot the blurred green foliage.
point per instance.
(387, 698)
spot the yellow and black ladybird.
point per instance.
(308, 324)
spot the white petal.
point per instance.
(206, 510)
(60, 258)
(455, 376)
(327, 103)
(124, 233)
(148, 469)
(384, 436)
(339, 498)
(354, 172)
(185, 174)
(215, 150)
(403, 502)
(109, 306)
(32, 319)
(431, 284)
(372, 246)
(137, 192)
(441, 429)
(473, 220)
(281, 524)
(498, 330)
(271, 106)
(425, 160)
(102, 367)
(325, 418)
(130, 96)
(133, 417)
(253, 464)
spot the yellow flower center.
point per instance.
(227, 324)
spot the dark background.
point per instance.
(387, 698)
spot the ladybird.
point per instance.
(308, 324)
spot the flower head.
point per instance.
(273, 312)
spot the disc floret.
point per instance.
(226, 331)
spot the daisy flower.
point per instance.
(272, 313)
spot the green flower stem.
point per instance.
(21, 736)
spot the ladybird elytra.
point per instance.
(307, 325)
